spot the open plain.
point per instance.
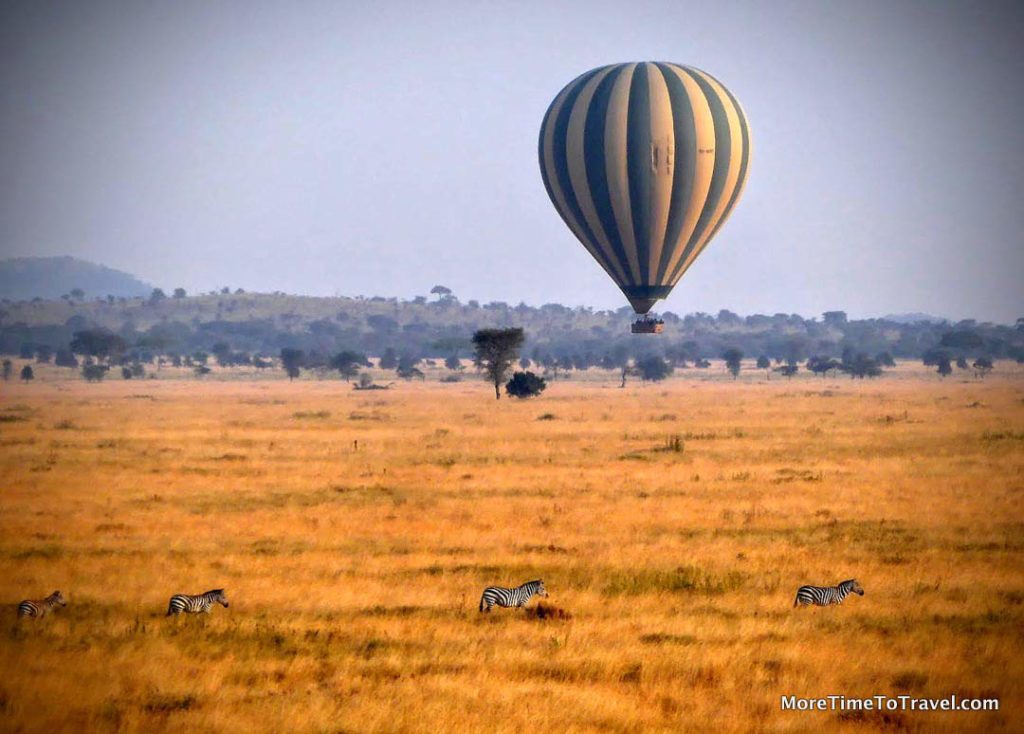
(354, 532)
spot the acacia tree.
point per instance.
(982, 366)
(822, 365)
(388, 360)
(292, 360)
(348, 363)
(495, 352)
(99, 343)
(27, 373)
(652, 368)
(407, 369)
(787, 370)
(863, 366)
(94, 372)
(441, 291)
(733, 357)
(763, 363)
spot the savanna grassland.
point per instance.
(672, 524)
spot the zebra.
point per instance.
(200, 603)
(42, 607)
(517, 597)
(823, 596)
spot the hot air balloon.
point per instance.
(644, 162)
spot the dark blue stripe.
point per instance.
(597, 172)
(638, 166)
(684, 170)
(723, 151)
(540, 152)
(561, 163)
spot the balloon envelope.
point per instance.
(644, 162)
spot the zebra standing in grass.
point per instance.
(42, 607)
(823, 596)
(517, 597)
(200, 603)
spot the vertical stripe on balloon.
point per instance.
(616, 174)
(555, 163)
(575, 153)
(638, 165)
(595, 136)
(662, 166)
(702, 149)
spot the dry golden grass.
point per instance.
(354, 575)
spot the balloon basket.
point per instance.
(648, 326)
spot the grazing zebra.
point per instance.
(517, 597)
(195, 604)
(822, 596)
(42, 607)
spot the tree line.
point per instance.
(216, 330)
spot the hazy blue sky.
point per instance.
(381, 148)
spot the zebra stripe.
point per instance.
(517, 597)
(198, 604)
(41, 607)
(823, 596)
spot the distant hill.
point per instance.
(25, 278)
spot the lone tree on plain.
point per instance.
(822, 365)
(862, 366)
(763, 363)
(441, 291)
(99, 343)
(292, 360)
(787, 370)
(733, 357)
(348, 363)
(653, 368)
(525, 385)
(407, 368)
(388, 360)
(495, 352)
(982, 366)
(26, 373)
(94, 372)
